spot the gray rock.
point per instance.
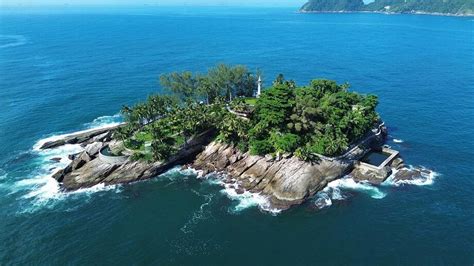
(269, 157)
(286, 182)
(102, 137)
(375, 177)
(78, 137)
(409, 174)
(56, 159)
(80, 161)
(86, 171)
(397, 162)
(93, 148)
(59, 175)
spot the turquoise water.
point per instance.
(67, 70)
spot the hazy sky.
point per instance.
(157, 2)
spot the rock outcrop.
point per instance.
(285, 180)
(87, 169)
(88, 136)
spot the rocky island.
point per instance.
(434, 7)
(284, 142)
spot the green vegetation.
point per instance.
(459, 7)
(333, 5)
(220, 82)
(320, 118)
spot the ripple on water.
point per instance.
(7, 41)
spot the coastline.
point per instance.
(386, 13)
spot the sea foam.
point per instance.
(334, 191)
(40, 189)
(243, 200)
(426, 178)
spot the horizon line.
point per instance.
(144, 5)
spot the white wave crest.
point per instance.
(15, 40)
(247, 200)
(103, 122)
(107, 120)
(398, 140)
(426, 178)
(41, 189)
(334, 191)
(350, 184)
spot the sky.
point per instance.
(280, 3)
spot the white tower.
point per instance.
(259, 86)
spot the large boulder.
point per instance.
(372, 176)
(78, 138)
(80, 161)
(286, 182)
(407, 174)
(93, 149)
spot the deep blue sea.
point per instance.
(69, 69)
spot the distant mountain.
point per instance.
(452, 7)
(333, 5)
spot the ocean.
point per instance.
(68, 69)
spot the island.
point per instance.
(434, 7)
(285, 142)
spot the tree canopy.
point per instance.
(221, 81)
(320, 118)
(459, 7)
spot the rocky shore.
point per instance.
(387, 13)
(87, 169)
(285, 180)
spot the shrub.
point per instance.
(260, 147)
(284, 142)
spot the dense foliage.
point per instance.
(402, 6)
(222, 81)
(320, 118)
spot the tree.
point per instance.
(184, 84)
(275, 105)
(232, 81)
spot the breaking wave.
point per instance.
(108, 121)
(243, 199)
(98, 123)
(39, 189)
(12, 40)
(426, 178)
(398, 140)
(336, 191)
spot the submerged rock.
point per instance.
(407, 174)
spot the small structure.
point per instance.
(259, 86)
(375, 166)
(106, 156)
